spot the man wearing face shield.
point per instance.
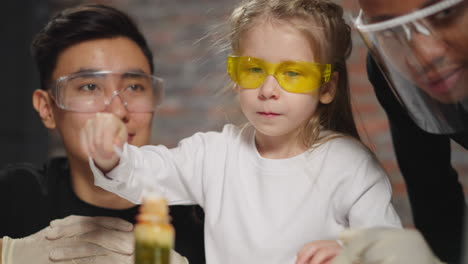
(419, 70)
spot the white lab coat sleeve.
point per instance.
(121, 180)
(175, 173)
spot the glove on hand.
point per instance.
(384, 245)
(176, 258)
(77, 240)
(74, 239)
(108, 241)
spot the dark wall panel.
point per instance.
(22, 136)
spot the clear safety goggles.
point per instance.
(292, 76)
(424, 56)
(94, 91)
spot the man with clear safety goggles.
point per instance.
(419, 72)
(92, 91)
(92, 60)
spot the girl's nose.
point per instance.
(270, 88)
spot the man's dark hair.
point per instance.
(78, 24)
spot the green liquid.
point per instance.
(151, 254)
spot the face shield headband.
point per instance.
(424, 57)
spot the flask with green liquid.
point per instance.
(154, 234)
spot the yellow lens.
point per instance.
(247, 72)
(252, 72)
(297, 77)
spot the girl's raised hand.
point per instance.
(100, 135)
(318, 252)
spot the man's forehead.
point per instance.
(380, 10)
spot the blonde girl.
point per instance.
(280, 189)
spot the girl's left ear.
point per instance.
(328, 90)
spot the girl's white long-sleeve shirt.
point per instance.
(259, 210)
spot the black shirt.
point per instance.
(31, 197)
(436, 196)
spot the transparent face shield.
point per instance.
(424, 56)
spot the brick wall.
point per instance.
(193, 75)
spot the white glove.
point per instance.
(99, 255)
(384, 245)
(176, 258)
(109, 240)
(74, 239)
(77, 240)
(103, 239)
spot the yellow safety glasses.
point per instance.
(292, 76)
